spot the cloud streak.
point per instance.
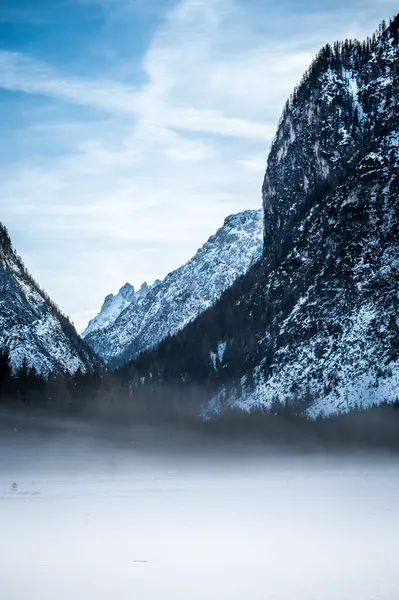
(24, 74)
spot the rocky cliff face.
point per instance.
(31, 326)
(315, 324)
(344, 99)
(169, 305)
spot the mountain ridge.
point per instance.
(184, 293)
(114, 305)
(32, 327)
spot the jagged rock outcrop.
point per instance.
(166, 307)
(31, 326)
(313, 326)
(113, 306)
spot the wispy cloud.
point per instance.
(19, 72)
(24, 74)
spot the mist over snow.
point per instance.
(156, 514)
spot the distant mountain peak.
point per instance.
(126, 290)
(114, 305)
(165, 307)
(143, 291)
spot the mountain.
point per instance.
(314, 326)
(31, 325)
(130, 323)
(113, 306)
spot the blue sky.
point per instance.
(131, 128)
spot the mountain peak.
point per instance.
(114, 305)
(165, 307)
(239, 217)
(126, 290)
(143, 289)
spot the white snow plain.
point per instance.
(150, 516)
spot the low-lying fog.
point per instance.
(157, 515)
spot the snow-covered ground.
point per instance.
(148, 517)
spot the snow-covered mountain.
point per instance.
(31, 326)
(130, 323)
(315, 324)
(113, 306)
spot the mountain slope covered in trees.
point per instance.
(33, 331)
(314, 326)
(167, 306)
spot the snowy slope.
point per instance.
(183, 294)
(313, 326)
(31, 326)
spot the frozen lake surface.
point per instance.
(152, 517)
